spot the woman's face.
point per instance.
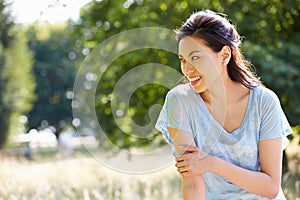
(199, 63)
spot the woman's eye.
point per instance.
(195, 57)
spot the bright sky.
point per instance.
(52, 11)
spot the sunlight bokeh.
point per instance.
(52, 11)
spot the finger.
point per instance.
(182, 170)
(179, 159)
(179, 164)
(189, 149)
(186, 173)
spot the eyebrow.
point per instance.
(193, 52)
(196, 51)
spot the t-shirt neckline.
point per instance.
(216, 123)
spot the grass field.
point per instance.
(80, 177)
(49, 177)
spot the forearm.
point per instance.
(193, 188)
(255, 182)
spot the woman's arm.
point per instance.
(264, 183)
(193, 187)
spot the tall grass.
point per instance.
(291, 179)
(82, 178)
(49, 177)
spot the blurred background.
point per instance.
(44, 42)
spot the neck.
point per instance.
(219, 96)
(223, 92)
(218, 92)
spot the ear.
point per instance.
(225, 54)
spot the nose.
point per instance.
(188, 68)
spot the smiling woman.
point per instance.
(51, 11)
(227, 130)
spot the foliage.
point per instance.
(269, 27)
(20, 83)
(54, 71)
(5, 109)
(6, 24)
(271, 46)
(16, 81)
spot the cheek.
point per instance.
(208, 69)
(183, 71)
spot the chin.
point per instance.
(198, 89)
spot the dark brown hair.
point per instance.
(216, 31)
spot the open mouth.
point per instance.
(195, 80)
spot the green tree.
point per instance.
(20, 82)
(270, 44)
(54, 71)
(5, 109)
(16, 81)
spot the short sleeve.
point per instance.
(274, 123)
(173, 114)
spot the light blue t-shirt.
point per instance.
(264, 119)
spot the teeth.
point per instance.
(195, 79)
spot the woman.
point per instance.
(227, 130)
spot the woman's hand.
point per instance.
(193, 162)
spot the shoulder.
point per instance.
(182, 94)
(182, 91)
(266, 101)
(265, 95)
